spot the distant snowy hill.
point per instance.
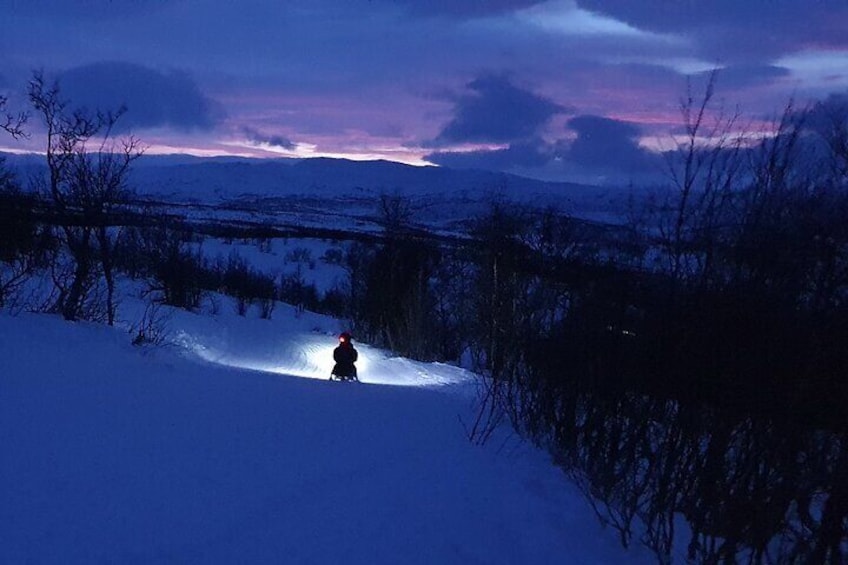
(181, 178)
(324, 177)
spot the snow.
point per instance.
(218, 450)
(282, 257)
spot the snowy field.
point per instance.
(305, 257)
(231, 446)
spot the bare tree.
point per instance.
(21, 242)
(705, 170)
(16, 225)
(12, 123)
(84, 187)
(395, 211)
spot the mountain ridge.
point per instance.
(219, 180)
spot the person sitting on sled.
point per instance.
(345, 355)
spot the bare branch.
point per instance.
(11, 123)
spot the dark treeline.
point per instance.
(693, 364)
(724, 405)
(662, 396)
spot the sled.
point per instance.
(344, 373)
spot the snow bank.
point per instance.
(211, 453)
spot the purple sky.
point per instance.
(552, 88)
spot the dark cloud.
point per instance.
(663, 15)
(836, 102)
(497, 112)
(736, 76)
(829, 115)
(604, 143)
(272, 140)
(730, 30)
(603, 149)
(527, 154)
(152, 98)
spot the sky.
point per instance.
(554, 89)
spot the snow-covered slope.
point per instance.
(215, 451)
(324, 177)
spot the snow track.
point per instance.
(287, 347)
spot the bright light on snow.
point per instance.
(296, 356)
(319, 363)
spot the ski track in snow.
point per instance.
(309, 354)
